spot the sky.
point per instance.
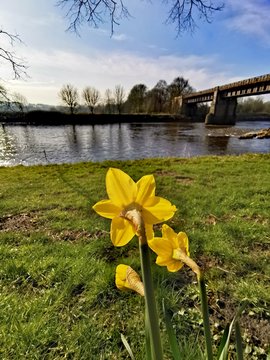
(143, 49)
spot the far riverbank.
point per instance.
(55, 118)
(50, 118)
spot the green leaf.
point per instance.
(126, 344)
(223, 340)
(171, 334)
(239, 342)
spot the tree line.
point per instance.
(183, 14)
(253, 105)
(12, 101)
(138, 100)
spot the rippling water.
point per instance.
(29, 145)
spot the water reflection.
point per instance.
(217, 143)
(7, 146)
(64, 144)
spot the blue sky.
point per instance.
(235, 46)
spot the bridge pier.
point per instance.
(222, 110)
(186, 109)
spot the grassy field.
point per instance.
(58, 298)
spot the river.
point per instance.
(31, 145)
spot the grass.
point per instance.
(58, 298)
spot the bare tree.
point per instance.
(69, 95)
(17, 65)
(91, 97)
(3, 95)
(109, 101)
(119, 96)
(136, 98)
(158, 97)
(19, 101)
(94, 12)
(178, 87)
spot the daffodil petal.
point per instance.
(120, 187)
(167, 231)
(146, 188)
(172, 265)
(170, 234)
(175, 266)
(107, 209)
(161, 246)
(121, 231)
(149, 232)
(164, 260)
(182, 240)
(157, 210)
(120, 276)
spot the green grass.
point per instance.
(58, 298)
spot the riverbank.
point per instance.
(58, 297)
(50, 118)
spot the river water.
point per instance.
(30, 145)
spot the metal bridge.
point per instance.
(224, 98)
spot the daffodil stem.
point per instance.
(205, 313)
(147, 338)
(150, 302)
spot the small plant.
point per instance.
(133, 209)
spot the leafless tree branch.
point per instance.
(4, 95)
(17, 64)
(93, 12)
(181, 13)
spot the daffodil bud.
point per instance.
(127, 279)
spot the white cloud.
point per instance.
(49, 71)
(250, 17)
(119, 37)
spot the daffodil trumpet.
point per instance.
(180, 254)
(127, 279)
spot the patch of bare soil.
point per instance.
(206, 262)
(29, 222)
(179, 178)
(75, 235)
(255, 325)
(256, 219)
(254, 322)
(212, 219)
(19, 222)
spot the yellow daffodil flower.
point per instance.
(127, 279)
(171, 248)
(127, 200)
